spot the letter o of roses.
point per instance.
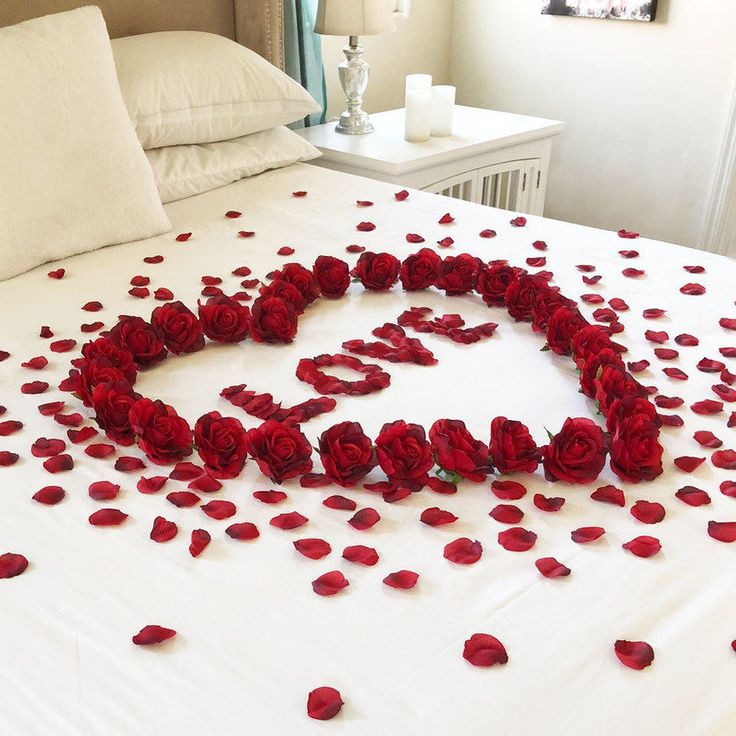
(308, 370)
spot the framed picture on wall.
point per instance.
(613, 9)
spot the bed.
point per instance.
(252, 638)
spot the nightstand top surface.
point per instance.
(475, 130)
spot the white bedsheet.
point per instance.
(253, 638)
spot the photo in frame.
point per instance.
(608, 9)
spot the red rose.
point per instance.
(104, 347)
(280, 450)
(286, 291)
(224, 319)
(457, 451)
(91, 374)
(404, 453)
(493, 280)
(636, 454)
(420, 270)
(141, 339)
(164, 436)
(546, 301)
(520, 296)
(614, 383)
(458, 274)
(302, 278)
(112, 402)
(221, 444)
(347, 453)
(332, 276)
(590, 341)
(577, 453)
(593, 365)
(273, 320)
(563, 324)
(377, 271)
(628, 406)
(181, 330)
(512, 448)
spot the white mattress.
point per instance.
(253, 639)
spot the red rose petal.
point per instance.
(586, 534)
(12, 565)
(401, 196)
(506, 514)
(36, 364)
(402, 579)
(518, 221)
(463, 551)
(447, 242)
(643, 546)
(49, 495)
(689, 464)
(360, 555)
(539, 245)
(693, 496)
(314, 549)
(668, 402)
(707, 407)
(723, 531)
(551, 568)
(324, 703)
(163, 295)
(609, 494)
(53, 407)
(340, 503)
(648, 512)
(629, 253)
(364, 519)
(675, 373)
(692, 289)
(508, 490)
(285, 250)
(233, 214)
(153, 259)
(99, 450)
(638, 366)
(633, 273)
(244, 532)
(151, 485)
(627, 234)
(183, 499)
(706, 365)
(618, 304)
(44, 447)
(725, 459)
(330, 583)
(205, 483)
(728, 488)
(153, 634)
(517, 539)
(291, 520)
(666, 353)
(34, 387)
(59, 464)
(128, 464)
(414, 238)
(107, 517)
(364, 203)
(219, 509)
(183, 237)
(200, 540)
(484, 650)
(437, 485)
(103, 490)
(355, 248)
(487, 233)
(707, 439)
(58, 274)
(70, 420)
(9, 427)
(185, 471)
(727, 323)
(163, 530)
(365, 227)
(91, 327)
(437, 517)
(8, 458)
(270, 496)
(694, 269)
(636, 655)
(543, 503)
(299, 194)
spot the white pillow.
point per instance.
(183, 87)
(73, 176)
(182, 171)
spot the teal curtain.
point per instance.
(304, 54)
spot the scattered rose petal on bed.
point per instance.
(725, 352)
(536, 262)
(59, 464)
(364, 519)
(8, 458)
(707, 407)
(100, 450)
(723, 531)
(162, 294)
(447, 242)
(299, 194)
(58, 274)
(633, 273)
(70, 420)
(200, 539)
(244, 531)
(103, 490)
(34, 387)
(183, 237)
(4, 355)
(128, 464)
(592, 298)
(365, 227)
(508, 490)
(675, 373)
(163, 530)
(627, 234)
(545, 503)
(671, 420)
(687, 341)
(506, 514)
(414, 238)
(36, 364)
(183, 499)
(246, 233)
(107, 517)
(653, 313)
(551, 568)
(153, 259)
(51, 408)
(219, 509)
(340, 503)
(401, 196)
(45, 333)
(401, 579)
(88, 327)
(270, 497)
(643, 546)
(518, 221)
(609, 494)
(668, 402)
(688, 464)
(285, 250)
(139, 292)
(12, 565)
(586, 534)
(153, 634)
(638, 366)
(10, 426)
(446, 219)
(487, 233)
(204, 483)
(364, 203)
(437, 517)
(314, 549)
(648, 512)
(728, 323)
(324, 703)
(78, 436)
(330, 583)
(728, 488)
(186, 471)
(360, 555)
(707, 439)
(292, 520)
(693, 496)
(629, 253)
(724, 459)
(463, 551)
(591, 280)
(49, 495)
(706, 365)
(211, 291)
(692, 289)
(233, 214)
(636, 655)
(517, 539)
(484, 650)
(539, 245)
(355, 248)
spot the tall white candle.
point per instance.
(418, 81)
(443, 106)
(418, 115)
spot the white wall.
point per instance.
(421, 43)
(645, 103)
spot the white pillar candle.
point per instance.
(418, 81)
(418, 115)
(443, 106)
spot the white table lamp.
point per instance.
(354, 18)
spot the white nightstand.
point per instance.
(493, 158)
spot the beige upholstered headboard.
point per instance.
(257, 24)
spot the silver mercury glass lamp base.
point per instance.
(354, 79)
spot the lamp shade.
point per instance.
(354, 17)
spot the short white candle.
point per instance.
(418, 115)
(443, 106)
